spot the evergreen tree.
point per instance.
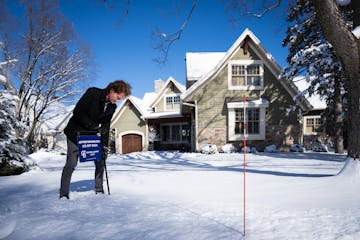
(12, 148)
(312, 56)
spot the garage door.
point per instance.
(131, 143)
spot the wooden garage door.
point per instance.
(131, 143)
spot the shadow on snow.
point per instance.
(174, 161)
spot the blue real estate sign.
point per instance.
(89, 148)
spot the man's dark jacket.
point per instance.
(90, 115)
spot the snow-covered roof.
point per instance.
(55, 115)
(152, 115)
(200, 63)
(148, 98)
(140, 104)
(315, 99)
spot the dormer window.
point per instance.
(246, 75)
(172, 102)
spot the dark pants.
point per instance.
(71, 162)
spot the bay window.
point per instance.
(254, 118)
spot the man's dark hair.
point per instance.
(119, 86)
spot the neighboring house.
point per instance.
(52, 124)
(312, 119)
(154, 122)
(211, 109)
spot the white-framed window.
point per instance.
(172, 102)
(254, 117)
(312, 125)
(174, 132)
(252, 120)
(245, 75)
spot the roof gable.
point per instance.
(161, 93)
(144, 105)
(258, 49)
(136, 102)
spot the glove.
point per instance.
(93, 127)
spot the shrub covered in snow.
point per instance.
(249, 150)
(318, 147)
(228, 148)
(271, 149)
(297, 148)
(208, 148)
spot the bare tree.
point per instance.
(50, 62)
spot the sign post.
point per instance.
(90, 150)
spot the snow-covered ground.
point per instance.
(171, 195)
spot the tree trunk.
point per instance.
(347, 49)
(339, 138)
(354, 122)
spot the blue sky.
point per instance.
(123, 48)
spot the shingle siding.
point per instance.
(281, 128)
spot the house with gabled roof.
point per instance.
(312, 120)
(223, 91)
(242, 83)
(50, 130)
(154, 122)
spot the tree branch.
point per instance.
(167, 40)
(266, 10)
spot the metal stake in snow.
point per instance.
(244, 161)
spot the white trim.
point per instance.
(245, 63)
(262, 104)
(146, 140)
(119, 138)
(196, 126)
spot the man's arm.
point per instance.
(81, 110)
